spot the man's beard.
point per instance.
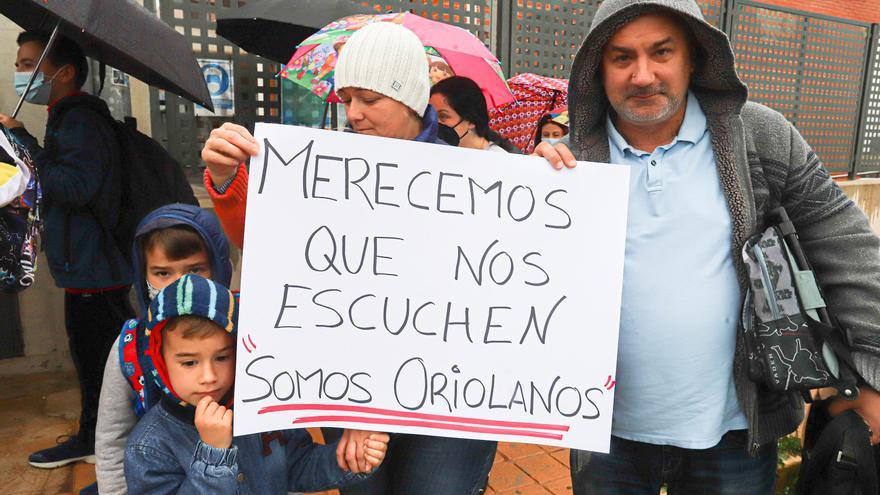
(626, 112)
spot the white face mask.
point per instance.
(152, 292)
(552, 141)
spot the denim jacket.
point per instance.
(165, 455)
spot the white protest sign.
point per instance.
(400, 286)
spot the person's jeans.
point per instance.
(635, 468)
(427, 466)
(93, 322)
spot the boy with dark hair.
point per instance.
(185, 443)
(79, 171)
(63, 52)
(170, 242)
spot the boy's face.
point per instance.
(200, 365)
(162, 272)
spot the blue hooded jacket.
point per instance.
(165, 453)
(132, 341)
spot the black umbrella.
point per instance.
(121, 34)
(273, 28)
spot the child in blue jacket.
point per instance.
(184, 445)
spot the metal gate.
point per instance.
(868, 153)
(256, 94)
(814, 69)
(543, 37)
(808, 67)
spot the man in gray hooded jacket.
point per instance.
(654, 87)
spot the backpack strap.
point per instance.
(130, 364)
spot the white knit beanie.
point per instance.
(389, 59)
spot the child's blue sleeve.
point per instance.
(213, 470)
(312, 467)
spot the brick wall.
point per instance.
(857, 10)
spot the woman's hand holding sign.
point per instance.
(227, 147)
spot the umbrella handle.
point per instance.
(49, 45)
(324, 117)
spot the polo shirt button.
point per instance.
(241, 477)
(653, 163)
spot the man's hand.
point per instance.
(214, 423)
(8, 122)
(558, 155)
(361, 451)
(867, 406)
(227, 147)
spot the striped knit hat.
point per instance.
(190, 295)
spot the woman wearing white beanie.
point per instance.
(382, 78)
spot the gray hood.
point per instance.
(714, 80)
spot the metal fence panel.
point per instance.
(807, 67)
(256, 87)
(545, 35)
(868, 152)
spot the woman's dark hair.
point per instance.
(466, 98)
(546, 118)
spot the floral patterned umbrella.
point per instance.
(450, 51)
(535, 96)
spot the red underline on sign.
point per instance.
(425, 424)
(408, 414)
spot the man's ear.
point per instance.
(66, 74)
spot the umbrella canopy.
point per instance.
(451, 49)
(273, 28)
(121, 34)
(535, 96)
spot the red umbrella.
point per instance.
(535, 96)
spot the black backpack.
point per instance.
(837, 458)
(150, 178)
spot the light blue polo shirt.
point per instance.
(678, 319)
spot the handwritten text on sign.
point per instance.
(401, 286)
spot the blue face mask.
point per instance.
(552, 141)
(40, 89)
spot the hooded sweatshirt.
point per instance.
(165, 453)
(762, 163)
(117, 414)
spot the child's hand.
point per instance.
(375, 447)
(214, 423)
(352, 452)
